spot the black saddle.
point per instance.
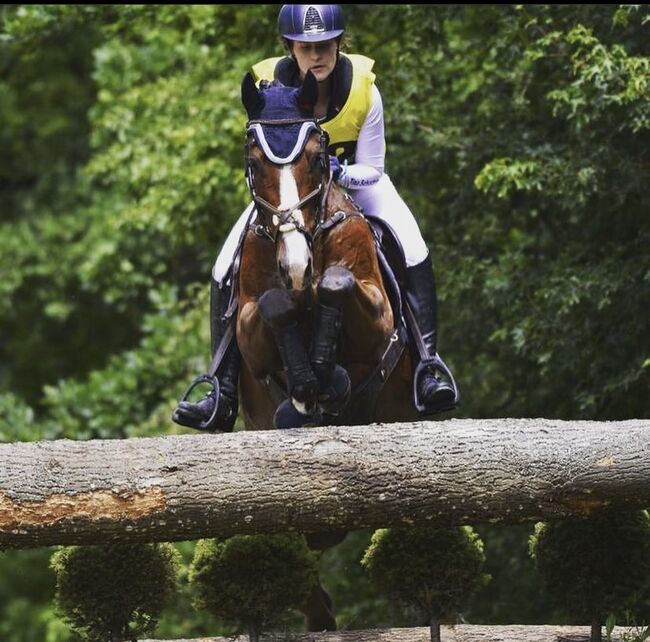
(392, 262)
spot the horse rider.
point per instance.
(350, 110)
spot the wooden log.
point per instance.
(318, 479)
(457, 633)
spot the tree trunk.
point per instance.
(319, 479)
(434, 629)
(596, 634)
(253, 632)
(458, 633)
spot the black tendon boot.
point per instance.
(432, 393)
(334, 289)
(280, 314)
(195, 415)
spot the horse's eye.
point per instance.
(256, 164)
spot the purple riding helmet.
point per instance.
(311, 22)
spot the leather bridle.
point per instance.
(287, 222)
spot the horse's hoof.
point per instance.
(336, 396)
(288, 416)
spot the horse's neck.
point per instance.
(337, 201)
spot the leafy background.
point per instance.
(517, 133)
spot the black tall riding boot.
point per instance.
(433, 394)
(196, 414)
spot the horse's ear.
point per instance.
(308, 94)
(251, 96)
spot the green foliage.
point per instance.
(134, 393)
(513, 581)
(594, 566)
(435, 569)
(44, 60)
(16, 419)
(252, 581)
(162, 127)
(358, 602)
(631, 631)
(515, 132)
(115, 591)
(181, 620)
(26, 590)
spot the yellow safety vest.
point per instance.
(343, 129)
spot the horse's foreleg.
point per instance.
(371, 303)
(354, 307)
(334, 290)
(368, 320)
(256, 341)
(280, 314)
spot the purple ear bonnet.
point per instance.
(279, 101)
(281, 143)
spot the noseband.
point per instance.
(287, 221)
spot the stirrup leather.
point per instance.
(210, 378)
(428, 362)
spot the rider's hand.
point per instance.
(335, 167)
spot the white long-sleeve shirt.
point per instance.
(370, 152)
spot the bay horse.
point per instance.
(318, 335)
(313, 306)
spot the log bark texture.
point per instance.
(458, 633)
(318, 479)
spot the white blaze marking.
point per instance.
(295, 244)
(300, 406)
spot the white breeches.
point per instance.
(381, 200)
(229, 248)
